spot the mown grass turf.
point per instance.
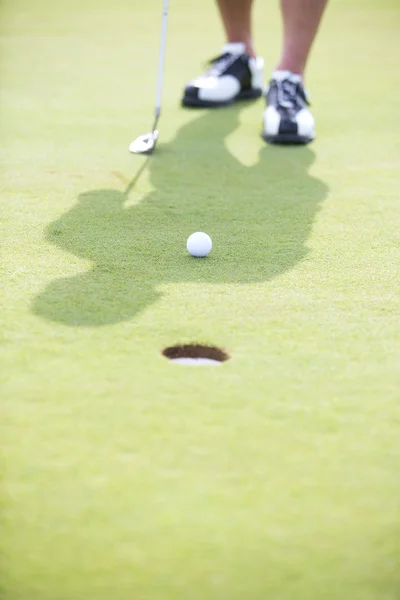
(274, 475)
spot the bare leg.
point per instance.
(236, 18)
(301, 19)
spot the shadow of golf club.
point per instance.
(259, 216)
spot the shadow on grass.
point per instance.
(259, 218)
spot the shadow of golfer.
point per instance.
(259, 217)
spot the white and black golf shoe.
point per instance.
(287, 118)
(232, 76)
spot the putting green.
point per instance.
(275, 475)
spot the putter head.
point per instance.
(144, 144)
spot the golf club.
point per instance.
(145, 144)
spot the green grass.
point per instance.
(274, 476)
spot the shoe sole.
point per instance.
(288, 139)
(251, 94)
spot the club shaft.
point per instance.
(157, 116)
(161, 61)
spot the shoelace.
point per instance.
(287, 95)
(219, 64)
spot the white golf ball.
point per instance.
(199, 244)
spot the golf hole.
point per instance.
(195, 354)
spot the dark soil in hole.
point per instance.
(195, 351)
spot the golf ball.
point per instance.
(199, 244)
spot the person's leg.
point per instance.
(236, 18)
(237, 74)
(301, 19)
(287, 118)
